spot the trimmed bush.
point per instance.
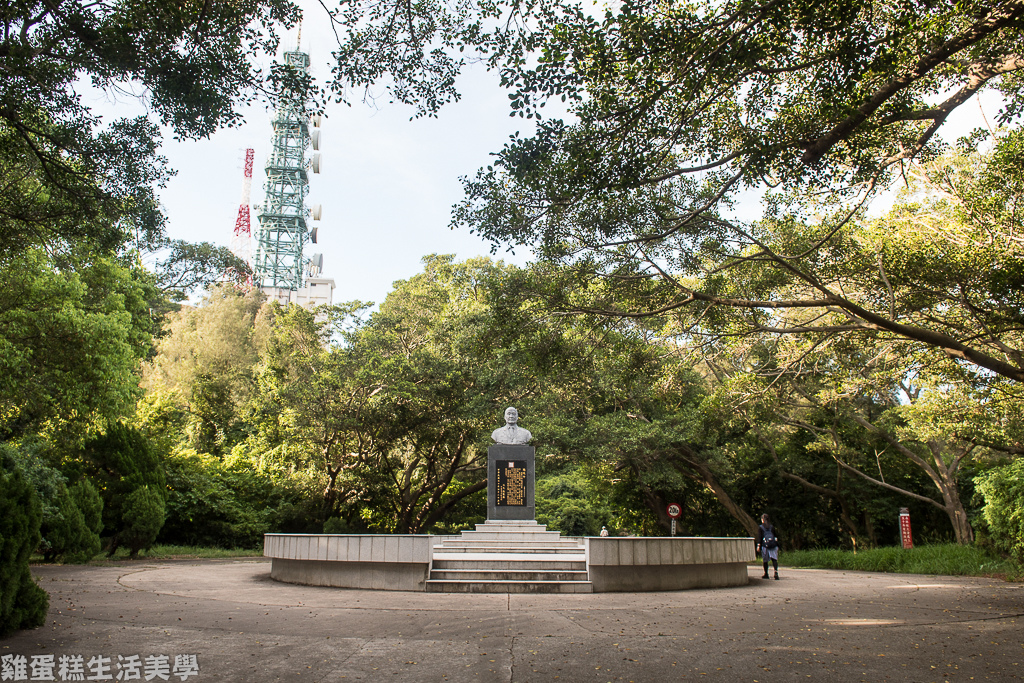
(211, 503)
(121, 462)
(142, 519)
(72, 534)
(336, 525)
(67, 535)
(23, 604)
(88, 500)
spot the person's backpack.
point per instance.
(770, 541)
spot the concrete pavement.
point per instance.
(242, 626)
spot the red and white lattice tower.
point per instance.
(241, 243)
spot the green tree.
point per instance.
(678, 113)
(70, 180)
(229, 477)
(75, 538)
(571, 504)
(78, 202)
(225, 503)
(70, 341)
(87, 499)
(68, 536)
(34, 458)
(71, 518)
(755, 88)
(23, 604)
(203, 373)
(393, 419)
(309, 409)
(812, 108)
(121, 461)
(870, 409)
(142, 517)
(1003, 489)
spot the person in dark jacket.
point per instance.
(768, 546)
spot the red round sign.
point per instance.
(675, 511)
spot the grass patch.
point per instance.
(949, 559)
(170, 552)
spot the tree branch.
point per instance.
(997, 18)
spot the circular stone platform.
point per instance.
(508, 556)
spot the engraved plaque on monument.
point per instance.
(510, 482)
(510, 472)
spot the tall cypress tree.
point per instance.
(23, 604)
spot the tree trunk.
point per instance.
(693, 460)
(941, 472)
(330, 492)
(443, 509)
(835, 494)
(658, 506)
(955, 509)
(870, 528)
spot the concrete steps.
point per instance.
(492, 586)
(477, 574)
(509, 557)
(552, 563)
(510, 548)
(511, 535)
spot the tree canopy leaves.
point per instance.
(684, 114)
(66, 176)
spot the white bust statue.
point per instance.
(511, 433)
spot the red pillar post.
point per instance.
(905, 537)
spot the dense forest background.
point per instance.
(253, 417)
(821, 362)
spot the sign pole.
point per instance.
(674, 511)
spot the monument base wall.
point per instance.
(510, 552)
(383, 576)
(398, 562)
(642, 578)
(664, 564)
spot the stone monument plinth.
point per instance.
(511, 481)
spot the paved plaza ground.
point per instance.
(811, 625)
